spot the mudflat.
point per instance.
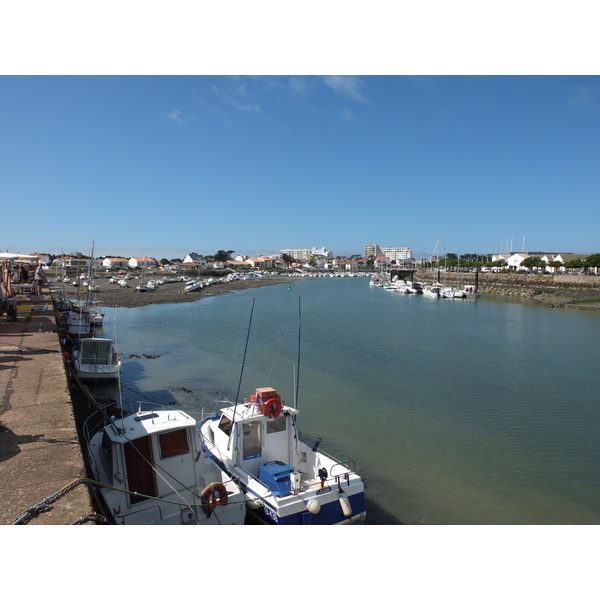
(112, 294)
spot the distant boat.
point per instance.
(415, 287)
(433, 291)
(193, 285)
(142, 287)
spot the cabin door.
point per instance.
(140, 472)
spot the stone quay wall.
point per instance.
(556, 290)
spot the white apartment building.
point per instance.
(397, 254)
(306, 253)
(372, 250)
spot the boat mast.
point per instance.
(298, 362)
(237, 396)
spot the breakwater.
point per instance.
(560, 291)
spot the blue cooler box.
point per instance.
(276, 476)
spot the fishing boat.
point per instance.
(286, 482)
(74, 321)
(150, 470)
(95, 359)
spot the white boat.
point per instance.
(414, 287)
(123, 283)
(96, 315)
(73, 321)
(433, 291)
(152, 471)
(95, 359)
(286, 482)
(470, 292)
(397, 285)
(193, 285)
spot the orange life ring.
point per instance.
(209, 496)
(272, 407)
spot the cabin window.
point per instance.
(97, 352)
(173, 443)
(106, 455)
(140, 471)
(275, 425)
(252, 442)
(225, 425)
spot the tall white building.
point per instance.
(372, 250)
(305, 253)
(398, 254)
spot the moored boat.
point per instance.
(151, 471)
(95, 359)
(433, 291)
(286, 482)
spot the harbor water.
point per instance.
(454, 411)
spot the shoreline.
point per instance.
(111, 295)
(545, 291)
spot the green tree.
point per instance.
(532, 262)
(287, 259)
(593, 260)
(223, 255)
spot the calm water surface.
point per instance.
(454, 411)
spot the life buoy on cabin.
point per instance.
(209, 497)
(272, 407)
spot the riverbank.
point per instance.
(557, 291)
(113, 295)
(574, 293)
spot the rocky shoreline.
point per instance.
(577, 292)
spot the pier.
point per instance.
(41, 463)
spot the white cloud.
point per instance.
(178, 116)
(585, 96)
(346, 85)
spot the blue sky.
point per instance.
(166, 165)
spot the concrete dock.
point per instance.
(40, 453)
